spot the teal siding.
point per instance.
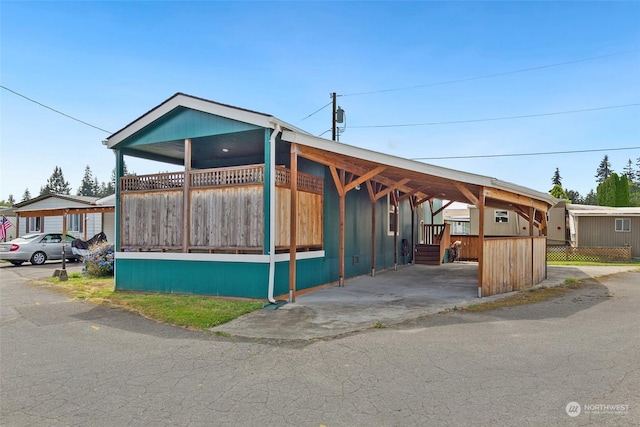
(193, 277)
(184, 123)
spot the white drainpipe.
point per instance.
(272, 212)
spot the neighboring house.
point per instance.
(11, 217)
(82, 215)
(604, 227)
(260, 208)
(459, 221)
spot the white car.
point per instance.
(36, 248)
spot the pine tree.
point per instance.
(574, 197)
(638, 170)
(26, 195)
(604, 170)
(629, 171)
(87, 187)
(557, 179)
(56, 184)
(11, 200)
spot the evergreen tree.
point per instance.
(11, 200)
(574, 197)
(56, 184)
(604, 170)
(614, 191)
(629, 171)
(86, 187)
(557, 179)
(638, 170)
(591, 198)
(558, 192)
(26, 195)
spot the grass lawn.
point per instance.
(189, 311)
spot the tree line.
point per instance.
(612, 189)
(89, 186)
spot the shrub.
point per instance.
(98, 261)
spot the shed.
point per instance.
(262, 209)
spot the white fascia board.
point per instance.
(413, 165)
(612, 212)
(245, 258)
(182, 100)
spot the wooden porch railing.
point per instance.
(219, 177)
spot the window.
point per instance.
(74, 222)
(392, 216)
(501, 216)
(623, 225)
(34, 224)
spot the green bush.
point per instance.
(98, 261)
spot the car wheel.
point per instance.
(38, 258)
(17, 263)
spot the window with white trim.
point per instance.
(501, 216)
(623, 225)
(34, 225)
(391, 209)
(74, 222)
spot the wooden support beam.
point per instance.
(467, 193)
(445, 206)
(515, 199)
(532, 213)
(395, 230)
(336, 180)
(293, 222)
(481, 214)
(372, 195)
(373, 232)
(367, 176)
(392, 187)
(341, 232)
(423, 200)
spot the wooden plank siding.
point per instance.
(512, 263)
(227, 217)
(227, 210)
(151, 220)
(309, 219)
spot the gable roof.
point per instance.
(87, 200)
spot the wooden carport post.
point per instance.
(481, 214)
(293, 222)
(372, 196)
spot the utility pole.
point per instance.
(337, 116)
(333, 117)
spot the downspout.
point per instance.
(272, 212)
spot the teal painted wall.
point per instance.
(182, 123)
(193, 277)
(248, 280)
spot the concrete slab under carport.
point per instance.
(389, 297)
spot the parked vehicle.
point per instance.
(37, 248)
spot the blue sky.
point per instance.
(107, 63)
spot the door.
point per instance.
(51, 244)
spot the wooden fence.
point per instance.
(512, 263)
(226, 210)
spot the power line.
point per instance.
(487, 76)
(499, 118)
(53, 109)
(317, 111)
(545, 153)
